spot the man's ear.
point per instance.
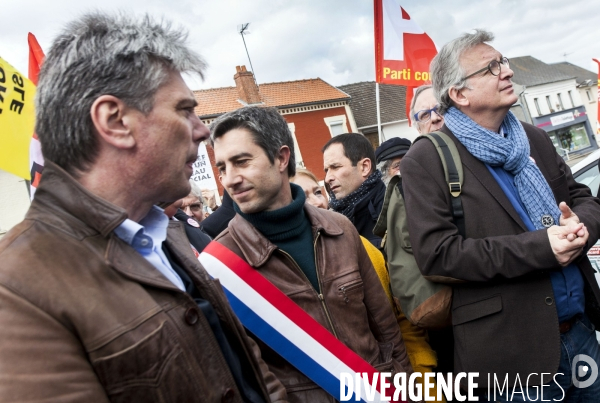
(112, 118)
(364, 166)
(284, 158)
(458, 97)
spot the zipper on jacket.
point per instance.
(320, 290)
(319, 294)
(347, 288)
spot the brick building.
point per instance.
(315, 111)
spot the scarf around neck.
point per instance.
(346, 204)
(512, 154)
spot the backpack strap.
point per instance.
(453, 171)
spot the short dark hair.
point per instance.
(356, 147)
(269, 130)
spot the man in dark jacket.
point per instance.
(356, 188)
(525, 296)
(313, 255)
(101, 297)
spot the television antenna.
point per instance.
(243, 30)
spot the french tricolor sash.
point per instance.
(285, 327)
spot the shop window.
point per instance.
(569, 139)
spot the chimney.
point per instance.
(246, 86)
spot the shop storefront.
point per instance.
(569, 130)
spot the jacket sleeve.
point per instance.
(581, 201)
(381, 316)
(40, 360)
(276, 390)
(442, 254)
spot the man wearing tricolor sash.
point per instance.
(313, 256)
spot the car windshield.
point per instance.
(589, 176)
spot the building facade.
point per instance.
(549, 98)
(315, 111)
(392, 105)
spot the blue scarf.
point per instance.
(512, 154)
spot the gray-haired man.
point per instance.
(525, 296)
(94, 306)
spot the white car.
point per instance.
(586, 171)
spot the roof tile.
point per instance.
(215, 101)
(392, 101)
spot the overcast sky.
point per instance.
(330, 39)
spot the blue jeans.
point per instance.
(581, 339)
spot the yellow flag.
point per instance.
(17, 119)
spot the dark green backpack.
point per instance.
(426, 304)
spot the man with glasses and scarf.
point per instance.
(525, 298)
(355, 186)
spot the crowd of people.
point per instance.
(102, 295)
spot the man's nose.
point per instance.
(506, 72)
(200, 132)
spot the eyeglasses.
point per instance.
(195, 207)
(425, 114)
(494, 67)
(395, 166)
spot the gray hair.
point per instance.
(384, 167)
(196, 191)
(418, 92)
(269, 130)
(446, 71)
(100, 54)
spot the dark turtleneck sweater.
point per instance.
(289, 229)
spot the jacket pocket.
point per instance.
(559, 187)
(137, 370)
(385, 361)
(351, 290)
(476, 310)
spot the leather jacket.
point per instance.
(351, 302)
(85, 318)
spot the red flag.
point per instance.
(403, 51)
(36, 57)
(598, 116)
(36, 159)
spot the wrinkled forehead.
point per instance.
(478, 56)
(425, 100)
(335, 153)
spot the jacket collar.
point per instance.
(257, 249)
(483, 175)
(62, 201)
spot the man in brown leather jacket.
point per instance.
(94, 306)
(314, 256)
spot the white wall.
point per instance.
(14, 201)
(399, 129)
(591, 107)
(541, 91)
